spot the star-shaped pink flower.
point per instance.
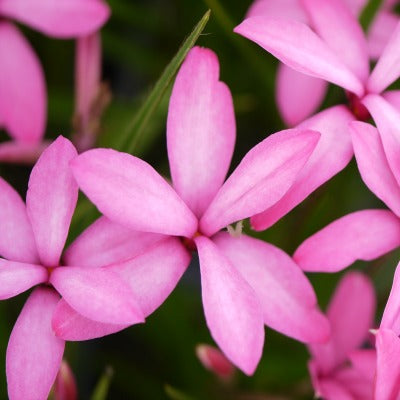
(245, 282)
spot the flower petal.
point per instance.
(392, 97)
(17, 242)
(333, 152)
(362, 235)
(351, 313)
(387, 69)
(373, 165)
(23, 101)
(388, 365)
(338, 27)
(34, 353)
(16, 277)
(154, 274)
(98, 294)
(130, 192)
(200, 130)
(58, 18)
(387, 119)
(105, 242)
(232, 310)
(68, 324)
(290, 9)
(296, 45)
(51, 199)
(391, 314)
(287, 299)
(263, 176)
(364, 361)
(297, 95)
(21, 152)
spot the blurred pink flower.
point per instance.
(31, 241)
(212, 359)
(245, 282)
(299, 95)
(65, 384)
(23, 100)
(340, 369)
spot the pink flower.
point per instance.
(299, 95)
(65, 384)
(340, 369)
(338, 58)
(31, 241)
(23, 100)
(245, 282)
(215, 361)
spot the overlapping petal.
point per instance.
(297, 95)
(16, 237)
(58, 18)
(264, 175)
(51, 199)
(34, 353)
(98, 294)
(362, 235)
(340, 30)
(373, 165)
(130, 192)
(296, 45)
(391, 315)
(332, 154)
(232, 310)
(200, 130)
(104, 242)
(16, 277)
(287, 299)
(23, 100)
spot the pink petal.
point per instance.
(23, 99)
(130, 192)
(356, 384)
(387, 385)
(364, 361)
(21, 152)
(391, 314)
(373, 165)
(98, 294)
(154, 274)
(65, 385)
(330, 389)
(105, 242)
(296, 45)
(387, 69)
(387, 119)
(362, 235)
(351, 313)
(68, 324)
(380, 31)
(58, 18)
(393, 97)
(356, 6)
(201, 130)
(17, 277)
(287, 299)
(338, 27)
(263, 176)
(297, 95)
(290, 9)
(17, 242)
(232, 310)
(34, 353)
(51, 199)
(87, 73)
(333, 152)
(214, 360)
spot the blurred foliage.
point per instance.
(157, 360)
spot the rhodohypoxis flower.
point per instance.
(299, 95)
(335, 51)
(23, 102)
(245, 282)
(351, 314)
(31, 242)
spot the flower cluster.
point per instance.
(125, 264)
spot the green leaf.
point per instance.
(129, 139)
(175, 394)
(103, 385)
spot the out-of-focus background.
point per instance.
(157, 360)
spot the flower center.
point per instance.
(189, 242)
(357, 107)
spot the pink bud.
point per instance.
(65, 385)
(213, 360)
